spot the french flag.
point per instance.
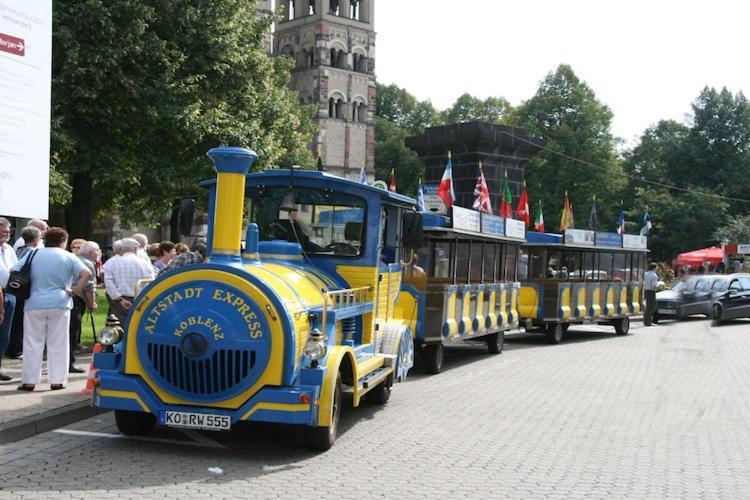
(445, 188)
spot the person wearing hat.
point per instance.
(121, 276)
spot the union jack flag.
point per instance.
(482, 201)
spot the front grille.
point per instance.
(220, 372)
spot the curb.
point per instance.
(26, 427)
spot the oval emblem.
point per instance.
(193, 344)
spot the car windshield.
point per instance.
(678, 287)
(719, 285)
(322, 221)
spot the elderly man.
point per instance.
(197, 256)
(37, 223)
(121, 275)
(142, 240)
(7, 260)
(88, 253)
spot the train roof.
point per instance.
(315, 178)
(590, 240)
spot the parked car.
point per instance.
(734, 301)
(694, 295)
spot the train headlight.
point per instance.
(110, 336)
(111, 333)
(315, 347)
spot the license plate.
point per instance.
(667, 311)
(189, 420)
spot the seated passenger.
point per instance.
(291, 230)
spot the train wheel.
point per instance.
(433, 358)
(622, 326)
(496, 342)
(382, 393)
(555, 333)
(322, 438)
(134, 423)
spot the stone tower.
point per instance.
(333, 45)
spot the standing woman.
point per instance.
(32, 237)
(47, 310)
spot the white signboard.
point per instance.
(579, 237)
(433, 204)
(25, 81)
(634, 241)
(466, 219)
(515, 228)
(743, 249)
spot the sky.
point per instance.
(646, 60)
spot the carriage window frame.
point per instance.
(489, 267)
(450, 245)
(510, 258)
(474, 276)
(575, 257)
(461, 275)
(602, 264)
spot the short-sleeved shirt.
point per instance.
(53, 271)
(650, 279)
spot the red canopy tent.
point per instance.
(696, 258)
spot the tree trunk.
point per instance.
(79, 215)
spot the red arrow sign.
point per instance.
(12, 44)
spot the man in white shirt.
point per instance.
(7, 261)
(37, 223)
(142, 240)
(121, 274)
(650, 279)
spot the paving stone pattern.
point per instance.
(660, 413)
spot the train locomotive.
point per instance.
(278, 331)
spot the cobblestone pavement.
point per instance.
(662, 412)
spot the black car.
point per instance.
(734, 300)
(694, 295)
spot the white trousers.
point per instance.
(50, 327)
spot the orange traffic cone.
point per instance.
(89, 389)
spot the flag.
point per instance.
(420, 197)
(506, 202)
(522, 210)
(567, 221)
(482, 201)
(593, 217)
(392, 186)
(362, 176)
(445, 188)
(646, 223)
(621, 223)
(539, 219)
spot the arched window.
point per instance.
(331, 107)
(341, 109)
(341, 59)
(363, 112)
(361, 65)
(334, 60)
(354, 9)
(310, 57)
(333, 7)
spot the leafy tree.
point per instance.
(682, 221)
(719, 145)
(573, 124)
(403, 109)
(391, 153)
(734, 230)
(468, 108)
(143, 88)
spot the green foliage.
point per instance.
(143, 88)
(391, 152)
(468, 108)
(566, 114)
(401, 108)
(734, 229)
(681, 221)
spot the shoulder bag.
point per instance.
(19, 282)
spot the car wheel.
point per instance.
(495, 342)
(433, 358)
(716, 315)
(622, 326)
(322, 438)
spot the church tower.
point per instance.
(333, 45)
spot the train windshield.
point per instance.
(323, 222)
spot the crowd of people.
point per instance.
(64, 278)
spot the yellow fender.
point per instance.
(335, 357)
(450, 326)
(581, 302)
(491, 317)
(636, 299)
(564, 312)
(478, 324)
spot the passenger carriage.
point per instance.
(467, 282)
(580, 277)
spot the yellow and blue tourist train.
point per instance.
(581, 277)
(275, 333)
(336, 288)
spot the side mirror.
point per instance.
(412, 231)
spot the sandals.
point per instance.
(26, 387)
(56, 387)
